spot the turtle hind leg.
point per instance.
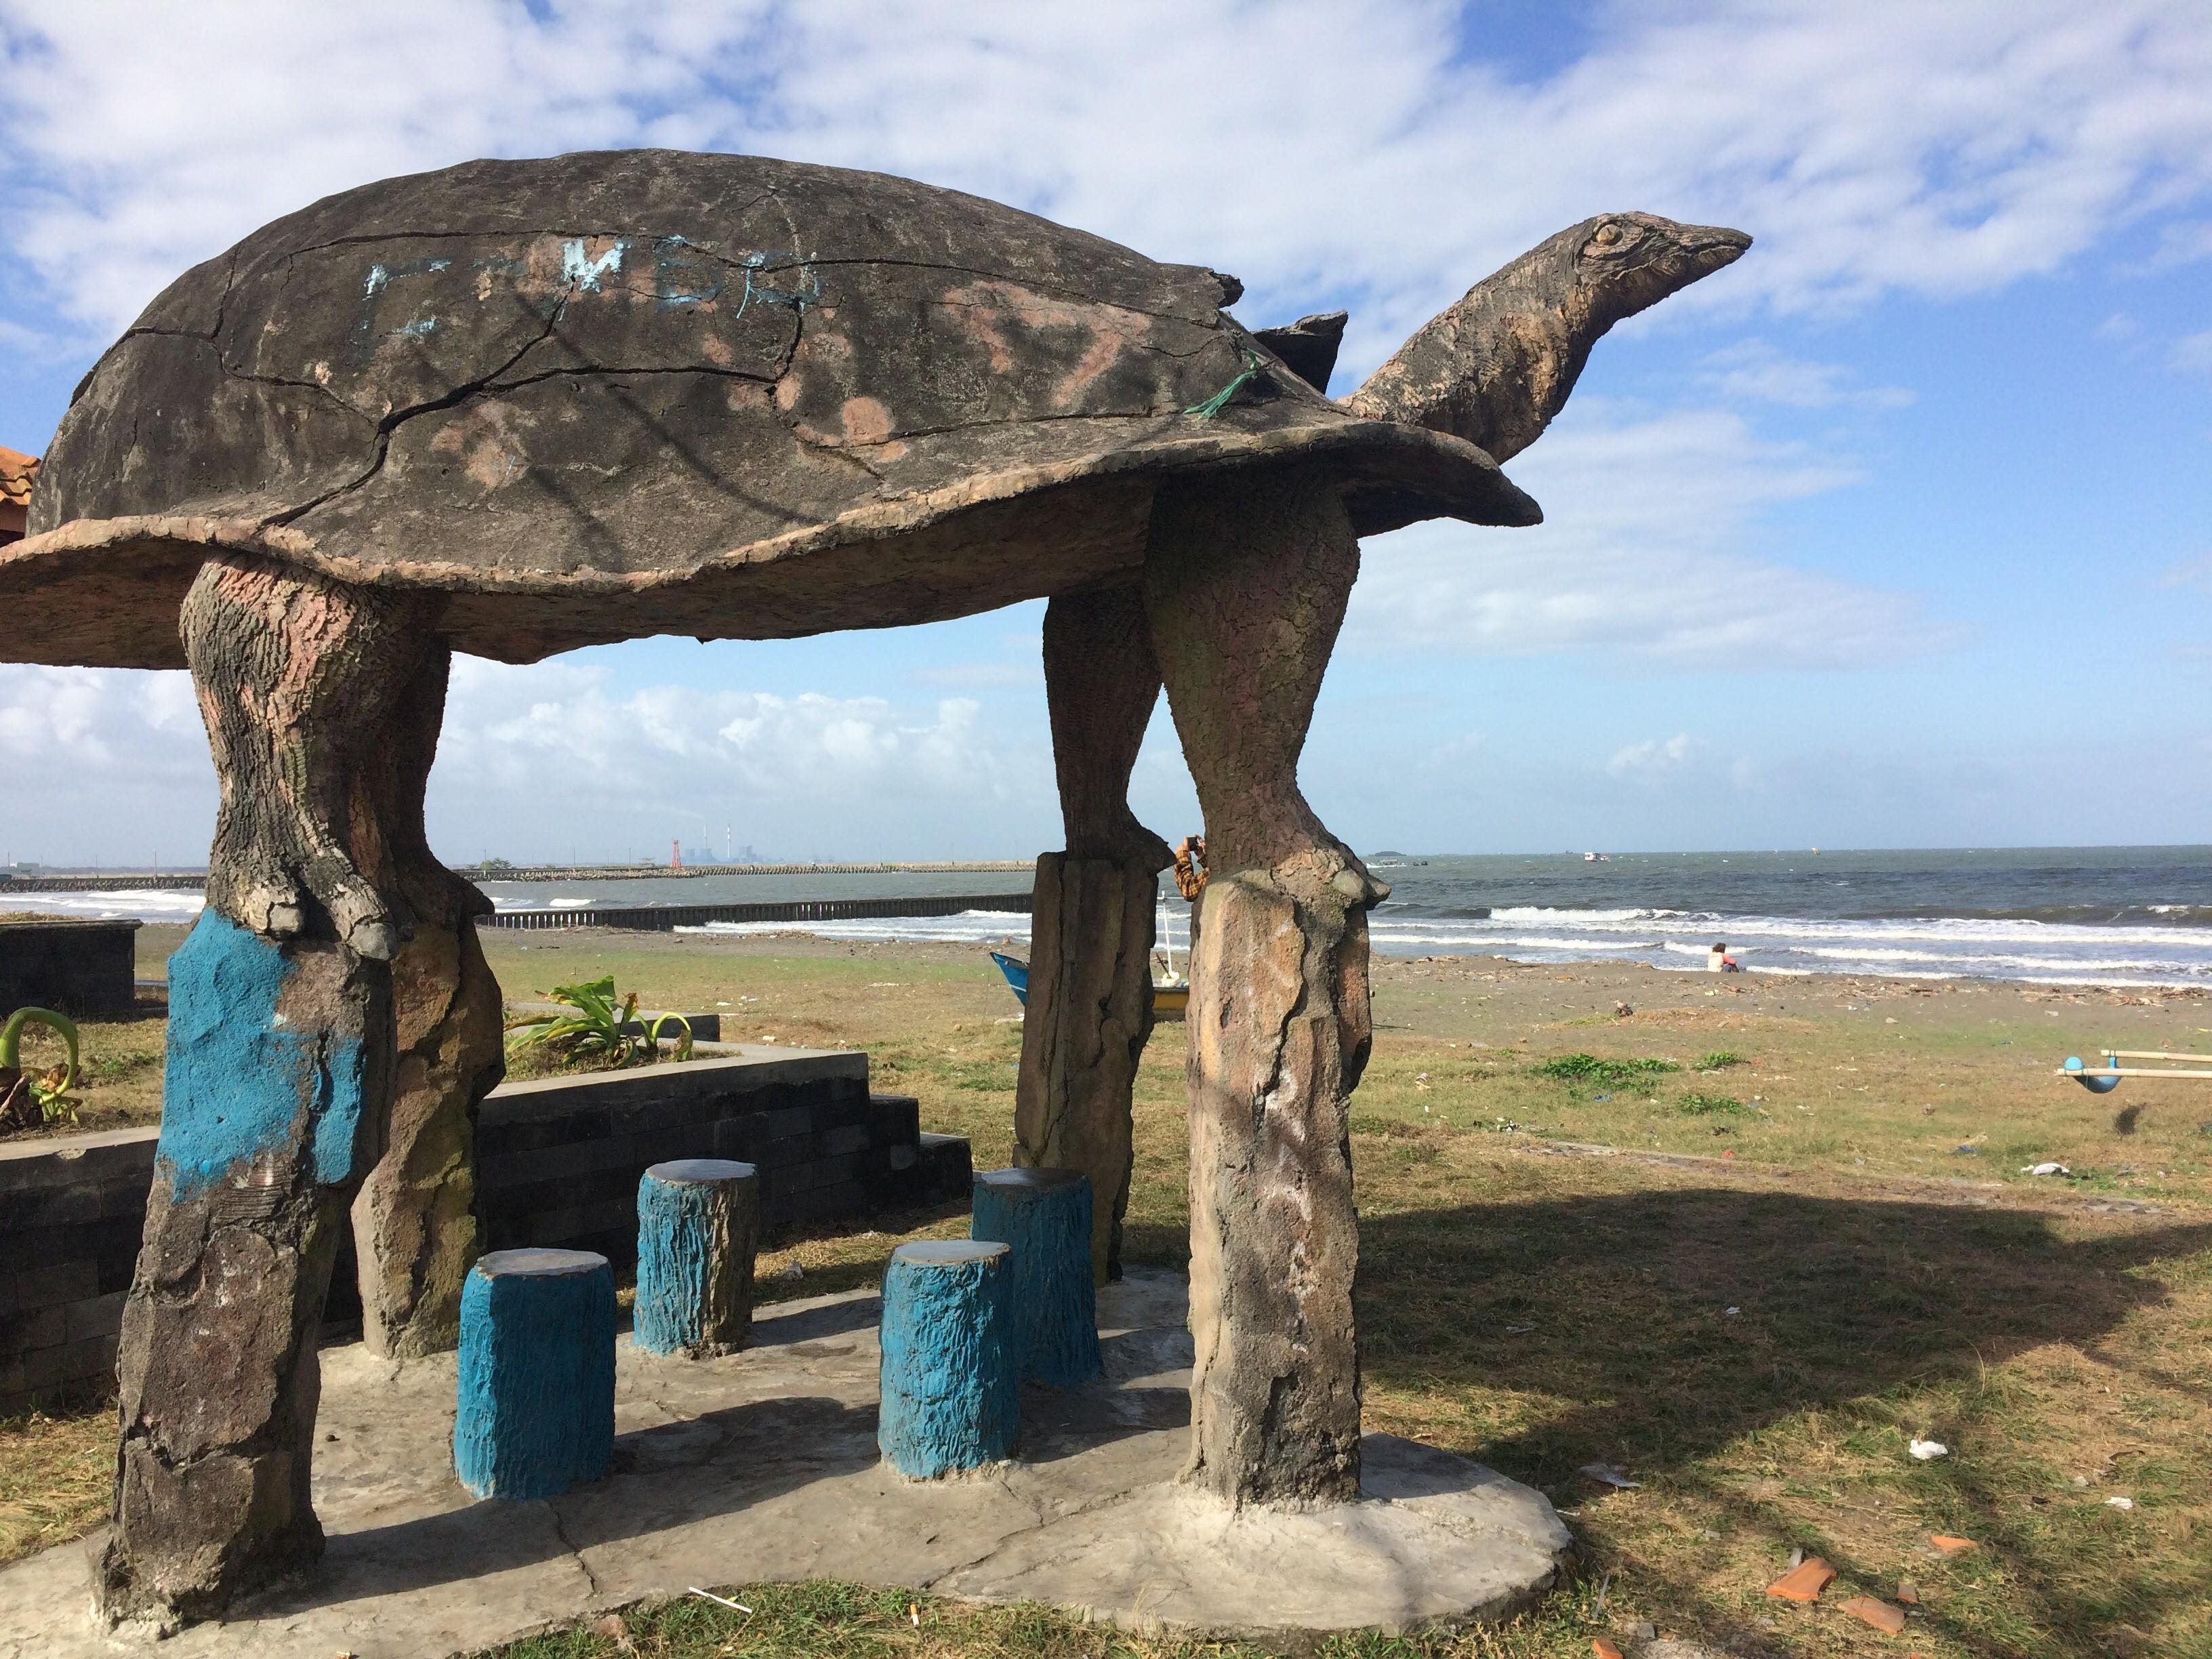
(1090, 1008)
(1245, 586)
(296, 676)
(278, 1078)
(1101, 681)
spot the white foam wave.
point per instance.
(154, 904)
(969, 927)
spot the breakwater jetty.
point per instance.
(193, 880)
(666, 918)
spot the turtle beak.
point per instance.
(1711, 247)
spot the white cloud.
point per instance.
(539, 761)
(2189, 573)
(1652, 757)
(1753, 371)
(1885, 145)
(2194, 351)
(1645, 554)
(102, 764)
(559, 727)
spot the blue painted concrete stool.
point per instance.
(536, 1413)
(1045, 1215)
(698, 1228)
(950, 1383)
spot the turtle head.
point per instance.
(1498, 365)
(1625, 262)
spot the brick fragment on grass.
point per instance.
(1605, 1648)
(1804, 1581)
(1879, 1615)
(1950, 1545)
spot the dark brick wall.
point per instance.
(70, 1215)
(83, 968)
(558, 1163)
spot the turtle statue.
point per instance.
(513, 408)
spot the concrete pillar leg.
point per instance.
(280, 1061)
(414, 1221)
(1245, 587)
(1090, 1012)
(1091, 978)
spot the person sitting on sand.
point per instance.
(1719, 961)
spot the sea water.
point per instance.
(2059, 915)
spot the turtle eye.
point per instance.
(1608, 238)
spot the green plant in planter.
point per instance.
(29, 1101)
(598, 1028)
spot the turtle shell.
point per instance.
(641, 392)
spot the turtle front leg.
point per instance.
(1245, 585)
(414, 1220)
(1090, 979)
(279, 1062)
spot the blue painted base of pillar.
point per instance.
(536, 1409)
(1045, 1216)
(950, 1383)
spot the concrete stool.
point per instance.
(536, 1413)
(1045, 1215)
(950, 1386)
(698, 1226)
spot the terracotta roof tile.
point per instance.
(18, 473)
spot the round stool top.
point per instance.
(538, 1263)
(948, 1252)
(700, 1169)
(1036, 1180)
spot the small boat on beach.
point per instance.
(1170, 990)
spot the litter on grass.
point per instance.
(724, 1600)
(1928, 1451)
(1802, 1582)
(1611, 1476)
(2120, 1502)
(1879, 1615)
(2046, 1170)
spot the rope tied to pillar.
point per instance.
(1255, 366)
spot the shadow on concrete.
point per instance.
(772, 1328)
(715, 1463)
(661, 1477)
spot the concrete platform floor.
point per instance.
(764, 1466)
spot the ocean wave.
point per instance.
(968, 927)
(1711, 925)
(160, 904)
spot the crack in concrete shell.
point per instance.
(398, 418)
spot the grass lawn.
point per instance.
(1810, 1241)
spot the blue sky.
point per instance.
(1898, 533)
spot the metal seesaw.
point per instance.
(2103, 1080)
